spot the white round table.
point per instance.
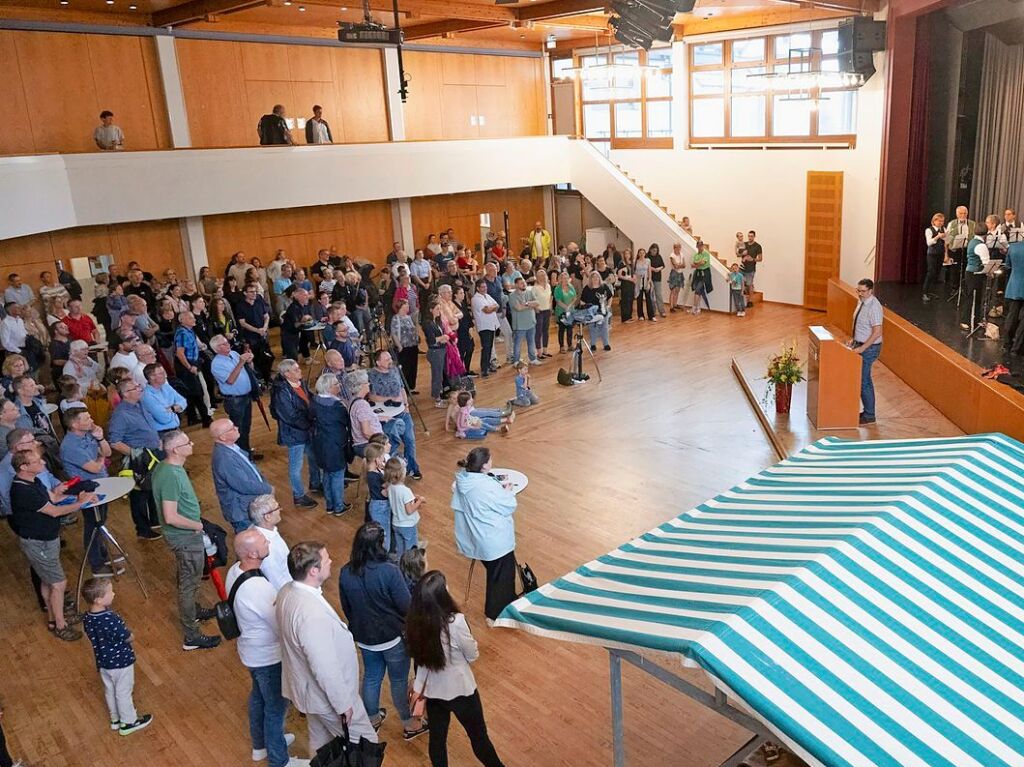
(515, 478)
(49, 408)
(388, 412)
(112, 488)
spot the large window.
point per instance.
(731, 101)
(626, 98)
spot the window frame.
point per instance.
(814, 59)
(644, 141)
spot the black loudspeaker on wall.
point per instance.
(859, 37)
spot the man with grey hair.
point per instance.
(494, 290)
(236, 479)
(291, 406)
(182, 527)
(273, 128)
(295, 343)
(236, 387)
(265, 515)
(80, 366)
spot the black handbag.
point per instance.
(529, 580)
(227, 621)
(341, 752)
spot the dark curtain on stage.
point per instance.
(911, 238)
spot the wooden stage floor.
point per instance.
(668, 428)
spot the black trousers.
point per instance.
(262, 356)
(294, 344)
(486, 349)
(1013, 326)
(7, 761)
(645, 298)
(470, 712)
(933, 262)
(972, 298)
(959, 265)
(466, 346)
(409, 361)
(626, 296)
(564, 336)
(195, 407)
(143, 510)
(501, 584)
(239, 410)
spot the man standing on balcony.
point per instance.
(108, 136)
(272, 128)
(317, 129)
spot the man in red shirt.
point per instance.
(81, 326)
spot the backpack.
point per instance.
(227, 621)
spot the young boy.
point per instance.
(524, 394)
(115, 657)
(737, 300)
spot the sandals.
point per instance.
(382, 714)
(410, 734)
(67, 634)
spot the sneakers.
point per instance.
(741, 314)
(535, 362)
(350, 477)
(115, 726)
(864, 419)
(607, 348)
(382, 714)
(305, 502)
(205, 613)
(67, 634)
(150, 535)
(417, 474)
(139, 724)
(106, 571)
(200, 642)
(338, 512)
(440, 404)
(259, 754)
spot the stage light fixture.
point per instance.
(551, 41)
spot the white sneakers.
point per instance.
(259, 754)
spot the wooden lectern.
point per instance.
(833, 381)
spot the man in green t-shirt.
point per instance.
(178, 507)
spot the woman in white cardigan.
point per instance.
(442, 647)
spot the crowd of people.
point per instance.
(179, 350)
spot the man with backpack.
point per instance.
(251, 597)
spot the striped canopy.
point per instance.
(862, 599)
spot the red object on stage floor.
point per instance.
(783, 397)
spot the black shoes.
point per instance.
(200, 642)
(416, 475)
(305, 502)
(205, 613)
(864, 419)
(139, 724)
(150, 535)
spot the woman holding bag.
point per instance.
(442, 647)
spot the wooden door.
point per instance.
(492, 108)
(823, 236)
(459, 112)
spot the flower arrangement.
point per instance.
(784, 370)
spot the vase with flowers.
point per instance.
(784, 370)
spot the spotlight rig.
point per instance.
(639, 23)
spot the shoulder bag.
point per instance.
(227, 621)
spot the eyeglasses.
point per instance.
(271, 511)
(183, 444)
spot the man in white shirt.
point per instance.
(125, 357)
(317, 129)
(319, 671)
(265, 515)
(108, 136)
(485, 317)
(12, 329)
(17, 291)
(252, 598)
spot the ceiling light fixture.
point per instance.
(133, 7)
(344, 8)
(64, 2)
(302, 8)
(551, 42)
(110, 2)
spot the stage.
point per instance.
(939, 319)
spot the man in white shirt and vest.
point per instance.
(867, 342)
(320, 671)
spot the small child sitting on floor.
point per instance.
(470, 426)
(524, 394)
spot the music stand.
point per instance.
(111, 488)
(991, 270)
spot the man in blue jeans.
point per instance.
(386, 386)
(523, 305)
(259, 648)
(867, 342)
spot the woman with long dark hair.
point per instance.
(465, 336)
(375, 599)
(442, 647)
(484, 529)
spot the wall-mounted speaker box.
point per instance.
(861, 34)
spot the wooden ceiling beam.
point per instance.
(593, 21)
(851, 6)
(447, 27)
(201, 10)
(560, 8)
(442, 9)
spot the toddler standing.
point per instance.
(405, 515)
(115, 657)
(737, 301)
(378, 509)
(524, 394)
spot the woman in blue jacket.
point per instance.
(484, 528)
(332, 442)
(291, 406)
(375, 599)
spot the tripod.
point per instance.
(986, 302)
(579, 346)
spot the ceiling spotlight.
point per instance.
(133, 7)
(551, 42)
(287, 2)
(64, 2)
(302, 8)
(110, 2)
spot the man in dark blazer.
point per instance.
(318, 131)
(235, 478)
(298, 314)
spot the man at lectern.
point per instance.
(867, 342)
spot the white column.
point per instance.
(401, 224)
(193, 243)
(392, 84)
(549, 107)
(550, 219)
(174, 96)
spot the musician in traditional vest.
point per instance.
(935, 241)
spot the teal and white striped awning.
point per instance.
(862, 599)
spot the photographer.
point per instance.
(935, 240)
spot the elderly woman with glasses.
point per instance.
(332, 440)
(291, 405)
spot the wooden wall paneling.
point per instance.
(262, 96)
(28, 256)
(16, 137)
(214, 86)
(490, 70)
(423, 116)
(359, 83)
(492, 104)
(459, 106)
(157, 244)
(310, 63)
(59, 90)
(297, 246)
(368, 230)
(154, 83)
(120, 77)
(304, 96)
(823, 235)
(227, 234)
(525, 95)
(81, 241)
(458, 68)
(265, 61)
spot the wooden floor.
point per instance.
(668, 428)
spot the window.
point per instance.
(629, 104)
(560, 69)
(731, 99)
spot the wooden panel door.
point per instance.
(211, 77)
(423, 109)
(458, 103)
(492, 111)
(823, 235)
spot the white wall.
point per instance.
(727, 190)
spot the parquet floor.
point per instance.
(668, 428)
